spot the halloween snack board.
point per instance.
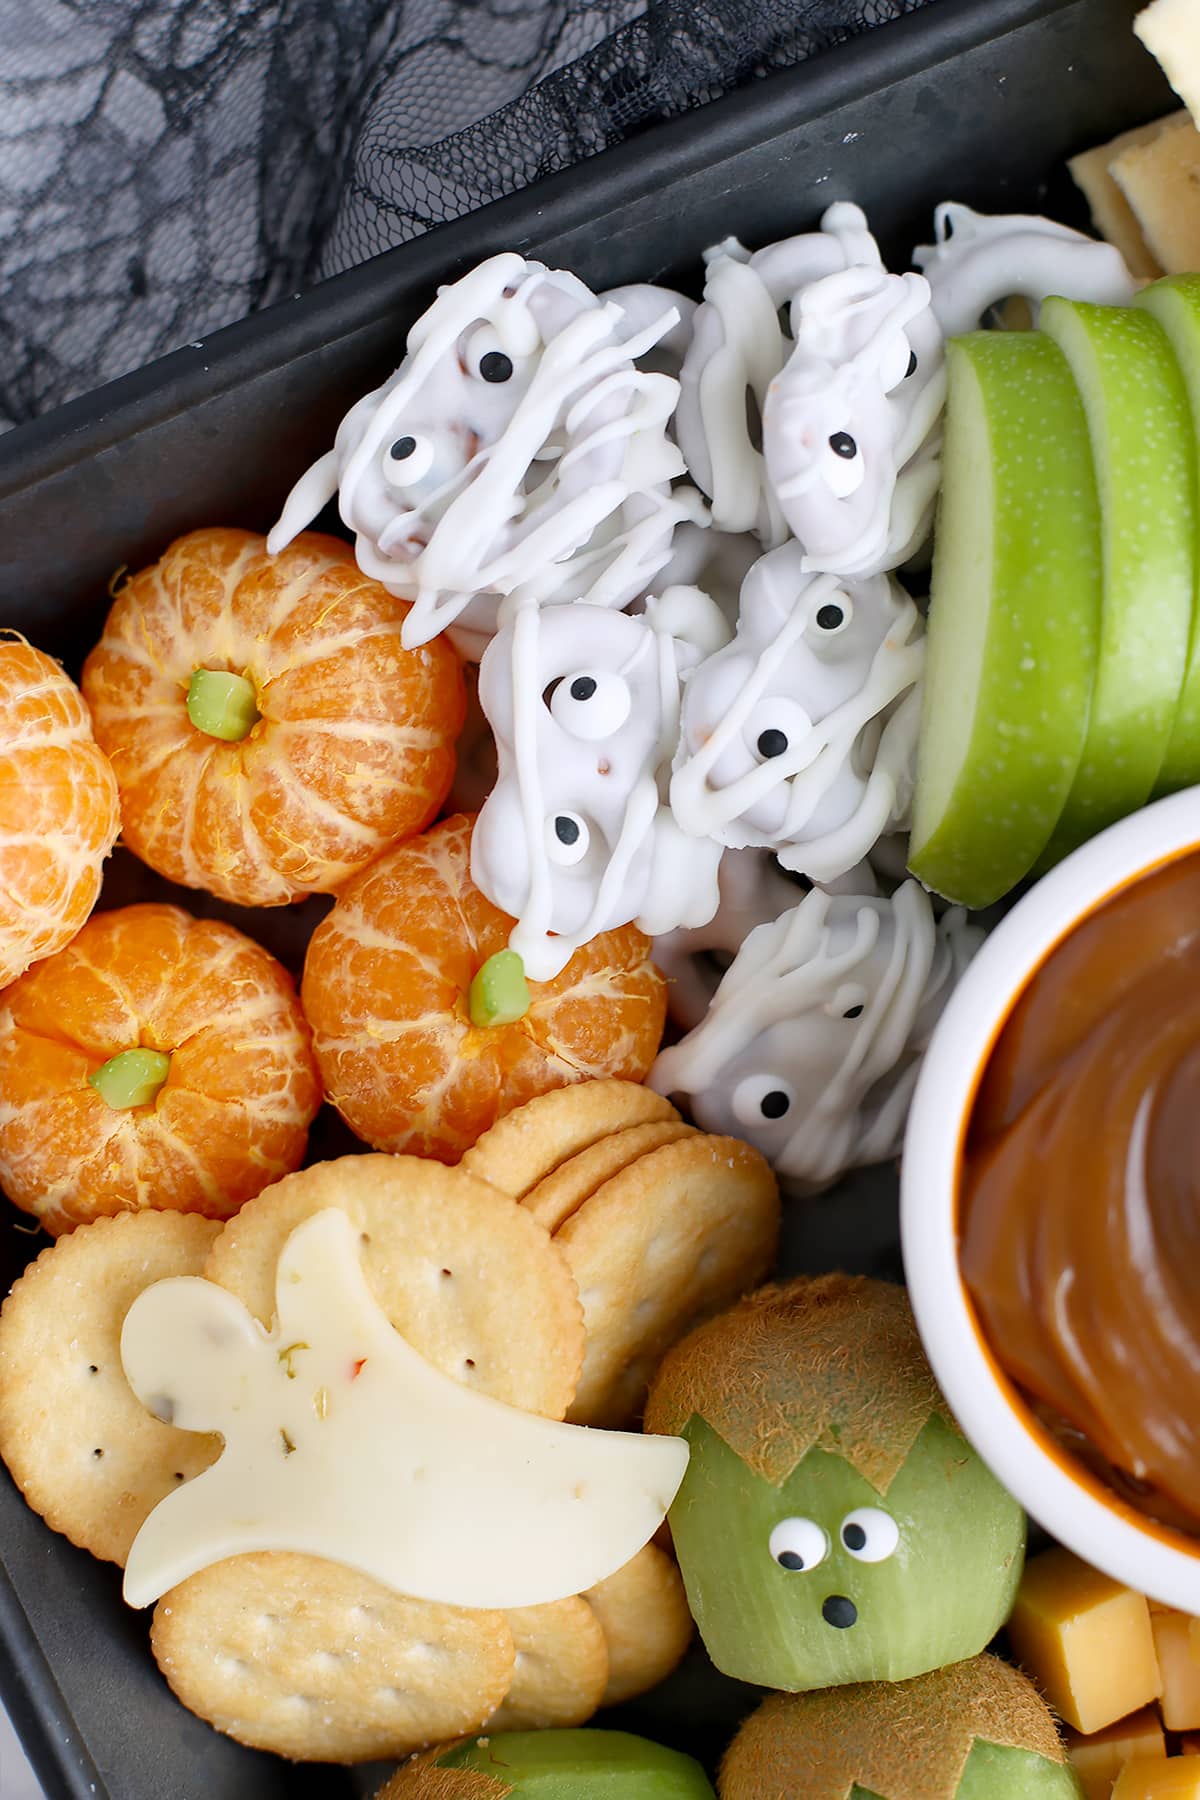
(265, 521)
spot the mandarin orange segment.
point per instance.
(353, 748)
(59, 814)
(386, 989)
(241, 1087)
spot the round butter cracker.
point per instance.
(561, 1667)
(643, 1613)
(312, 1661)
(81, 1447)
(565, 1189)
(468, 1277)
(681, 1233)
(527, 1144)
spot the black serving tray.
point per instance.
(975, 100)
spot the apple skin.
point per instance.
(1175, 303)
(580, 1765)
(1140, 427)
(1014, 624)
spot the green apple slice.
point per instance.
(1014, 618)
(1142, 445)
(581, 1765)
(1175, 303)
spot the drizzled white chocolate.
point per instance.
(739, 344)
(517, 447)
(851, 425)
(976, 261)
(575, 838)
(753, 889)
(800, 735)
(342, 1442)
(811, 1046)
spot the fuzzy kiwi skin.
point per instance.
(939, 1598)
(993, 1772)
(582, 1765)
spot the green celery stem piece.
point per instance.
(222, 705)
(131, 1078)
(499, 994)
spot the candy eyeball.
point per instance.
(849, 1002)
(591, 704)
(776, 727)
(407, 459)
(898, 363)
(568, 839)
(762, 1098)
(843, 466)
(798, 1545)
(485, 359)
(832, 616)
(869, 1534)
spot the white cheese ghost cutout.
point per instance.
(852, 423)
(811, 1046)
(342, 1442)
(517, 446)
(576, 837)
(978, 260)
(800, 735)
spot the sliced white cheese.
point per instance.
(1170, 30)
(1161, 182)
(341, 1441)
(1112, 215)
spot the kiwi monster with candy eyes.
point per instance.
(833, 1525)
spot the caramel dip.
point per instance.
(1080, 1197)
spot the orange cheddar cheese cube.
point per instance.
(1159, 1778)
(1085, 1640)
(1099, 1759)
(1179, 1666)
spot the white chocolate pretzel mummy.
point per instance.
(517, 446)
(575, 838)
(811, 1046)
(851, 424)
(800, 735)
(976, 261)
(754, 890)
(738, 347)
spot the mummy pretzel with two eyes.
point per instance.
(576, 837)
(811, 1046)
(517, 447)
(799, 735)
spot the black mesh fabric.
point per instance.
(167, 166)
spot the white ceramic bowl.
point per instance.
(1057, 1491)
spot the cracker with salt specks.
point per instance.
(313, 1661)
(467, 1276)
(561, 1667)
(643, 1613)
(524, 1146)
(683, 1232)
(565, 1189)
(81, 1447)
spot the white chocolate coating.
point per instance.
(976, 261)
(738, 347)
(800, 735)
(811, 1046)
(342, 1442)
(851, 423)
(575, 837)
(754, 890)
(464, 483)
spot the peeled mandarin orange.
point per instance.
(269, 732)
(58, 808)
(387, 988)
(159, 1060)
